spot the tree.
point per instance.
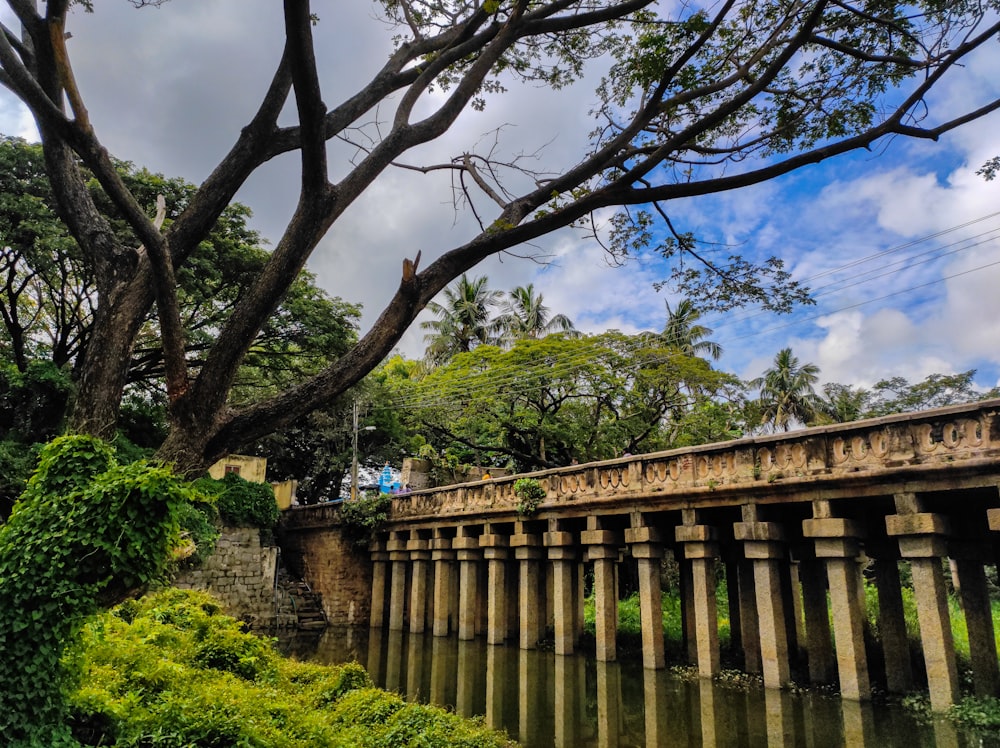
(546, 402)
(463, 320)
(842, 403)
(786, 391)
(524, 315)
(696, 99)
(683, 332)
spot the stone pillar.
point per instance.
(562, 553)
(921, 538)
(602, 549)
(763, 544)
(749, 628)
(819, 643)
(420, 558)
(892, 626)
(970, 559)
(647, 549)
(467, 551)
(495, 552)
(531, 603)
(397, 595)
(836, 542)
(443, 558)
(380, 563)
(701, 549)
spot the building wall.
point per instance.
(240, 574)
(247, 467)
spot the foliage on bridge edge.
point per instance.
(530, 493)
(87, 533)
(363, 518)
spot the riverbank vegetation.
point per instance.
(171, 669)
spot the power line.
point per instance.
(556, 366)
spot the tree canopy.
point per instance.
(695, 98)
(546, 402)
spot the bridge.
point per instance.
(792, 524)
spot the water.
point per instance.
(544, 700)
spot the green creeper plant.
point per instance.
(363, 518)
(242, 502)
(530, 493)
(87, 533)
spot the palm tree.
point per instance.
(523, 315)
(786, 391)
(683, 332)
(463, 319)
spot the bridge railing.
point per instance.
(937, 439)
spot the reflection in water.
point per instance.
(542, 699)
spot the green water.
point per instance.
(541, 699)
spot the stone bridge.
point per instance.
(793, 525)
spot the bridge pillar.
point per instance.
(647, 550)
(749, 625)
(763, 543)
(420, 558)
(892, 621)
(819, 642)
(701, 549)
(563, 555)
(836, 542)
(443, 558)
(380, 563)
(531, 603)
(970, 560)
(921, 538)
(602, 550)
(399, 559)
(495, 552)
(467, 551)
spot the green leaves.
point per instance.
(86, 533)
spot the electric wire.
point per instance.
(564, 365)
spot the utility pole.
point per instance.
(354, 454)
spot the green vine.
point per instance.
(362, 519)
(530, 493)
(241, 502)
(87, 533)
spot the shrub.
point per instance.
(530, 493)
(170, 669)
(363, 518)
(242, 502)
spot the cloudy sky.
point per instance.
(901, 244)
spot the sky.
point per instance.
(902, 245)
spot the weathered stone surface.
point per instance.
(241, 574)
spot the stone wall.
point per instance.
(341, 576)
(240, 574)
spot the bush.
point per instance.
(530, 493)
(171, 670)
(363, 518)
(242, 502)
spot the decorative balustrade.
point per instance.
(945, 439)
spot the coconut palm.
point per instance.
(683, 332)
(786, 392)
(524, 315)
(463, 319)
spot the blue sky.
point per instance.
(174, 96)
